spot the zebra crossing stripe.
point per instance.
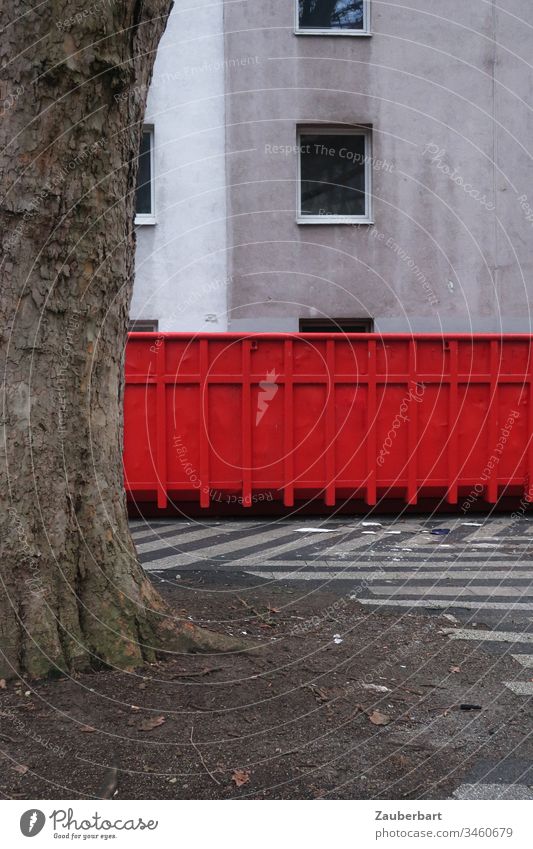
(204, 551)
(266, 546)
(488, 636)
(178, 539)
(435, 577)
(514, 538)
(489, 792)
(474, 570)
(470, 559)
(439, 604)
(520, 688)
(348, 542)
(235, 547)
(456, 593)
(490, 529)
(524, 660)
(152, 530)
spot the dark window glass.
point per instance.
(332, 174)
(336, 325)
(331, 14)
(144, 177)
(144, 325)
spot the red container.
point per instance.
(250, 419)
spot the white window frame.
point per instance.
(365, 31)
(149, 218)
(327, 130)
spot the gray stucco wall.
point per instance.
(181, 261)
(447, 88)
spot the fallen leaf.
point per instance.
(240, 777)
(150, 724)
(454, 669)
(400, 761)
(21, 769)
(378, 718)
(3, 684)
(87, 729)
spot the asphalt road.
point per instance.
(469, 567)
(477, 572)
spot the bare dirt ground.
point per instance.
(305, 715)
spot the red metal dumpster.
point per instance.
(244, 419)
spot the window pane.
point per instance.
(332, 174)
(331, 14)
(144, 325)
(144, 177)
(336, 325)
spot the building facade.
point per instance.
(354, 161)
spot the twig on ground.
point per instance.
(7, 739)
(256, 612)
(198, 752)
(408, 690)
(199, 674)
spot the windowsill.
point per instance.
(332, 219)
(335, 32)
(144, 220)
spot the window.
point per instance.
(334, 185)
(145, 194)
(333, 17)
(336, 325)
(144, 325)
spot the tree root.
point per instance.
(186, 637)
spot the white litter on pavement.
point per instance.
(376, 688)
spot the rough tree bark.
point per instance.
(74, 78)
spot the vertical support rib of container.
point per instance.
(204, 433)
(288, 436)
(246, 424)
(452, 495)
(330, 494)
(161, 425)
(492, 489)
(371, 445)
(529, 481)
(412, 432)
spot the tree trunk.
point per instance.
(74, 80)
